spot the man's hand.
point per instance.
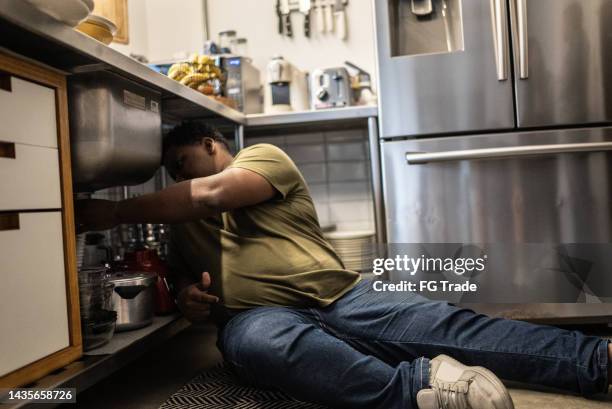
(194, 300)
(95, 214)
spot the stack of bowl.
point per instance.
(97, 318)
(355, 248)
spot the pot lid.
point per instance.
(125, 278)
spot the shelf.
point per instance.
(318, 118)
(124, 348)
(32, 34)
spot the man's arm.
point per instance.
(182, 202)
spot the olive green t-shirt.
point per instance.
(272, 253)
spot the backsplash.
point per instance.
(336, 167)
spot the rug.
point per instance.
(219, 388)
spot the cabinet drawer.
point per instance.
(34, 312)
(27, 112)
(29, 177)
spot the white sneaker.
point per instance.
(457, 386)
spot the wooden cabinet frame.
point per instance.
(50, 78)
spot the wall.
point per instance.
(163, 30)
(256, 20)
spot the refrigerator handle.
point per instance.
(523, 39)
(421, 158)
(499, 23)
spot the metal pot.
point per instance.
(133, 299)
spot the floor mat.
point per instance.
(219, 388)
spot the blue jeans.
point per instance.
(371, 349)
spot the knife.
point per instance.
(329, 16)
(305, 7)
(340, 19)
(286, 12)
(279, 14)
(319, 15)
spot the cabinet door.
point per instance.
(563, 61)
(28, 112)
(34, 311)
(29, 177)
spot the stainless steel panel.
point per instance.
(563, 61)
(445, 92)
(115, 131)
(553, 196)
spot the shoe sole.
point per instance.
(489, 375)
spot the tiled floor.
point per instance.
(149, 381)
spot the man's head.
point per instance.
(192, 150)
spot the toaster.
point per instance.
(330, 88)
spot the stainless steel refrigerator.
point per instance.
(496, 127)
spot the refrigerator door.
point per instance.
(563, 61)
(444, 72)
(526, 195)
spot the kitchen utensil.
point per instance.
(286, 87)
(133, 299)
(226, 38)
(356, 249)
(94, 298)
(99, 330)
(149, 261)
(340, 19)
(69, 12)
(286, 13)
(361, 85)
(330, 88)
(320, 15)
(329, 16)
(305, 7)
(279, 16)
(98, 27)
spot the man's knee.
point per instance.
(261, 335)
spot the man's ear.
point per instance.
(210, 145)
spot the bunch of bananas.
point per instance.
(200, 72)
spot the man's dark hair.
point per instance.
(191, 133)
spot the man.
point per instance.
(293, 318)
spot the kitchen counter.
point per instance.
(318, 116)
(32, 34)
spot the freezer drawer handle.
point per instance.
(9, 221)
(523, 39)
(499, 16)
(7, 150)
(420, 158)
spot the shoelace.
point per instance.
(452, 395)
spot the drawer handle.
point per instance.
(9, 221)
(5, 81)
(7, 150)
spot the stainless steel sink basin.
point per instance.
(115, 131)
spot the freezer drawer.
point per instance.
(537, 200)
(446, 72)
(563, 61)
(524, 193)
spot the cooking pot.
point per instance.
(133, 298)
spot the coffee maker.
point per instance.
(286, 87)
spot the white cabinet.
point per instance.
(33, 311)
(40, 327)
